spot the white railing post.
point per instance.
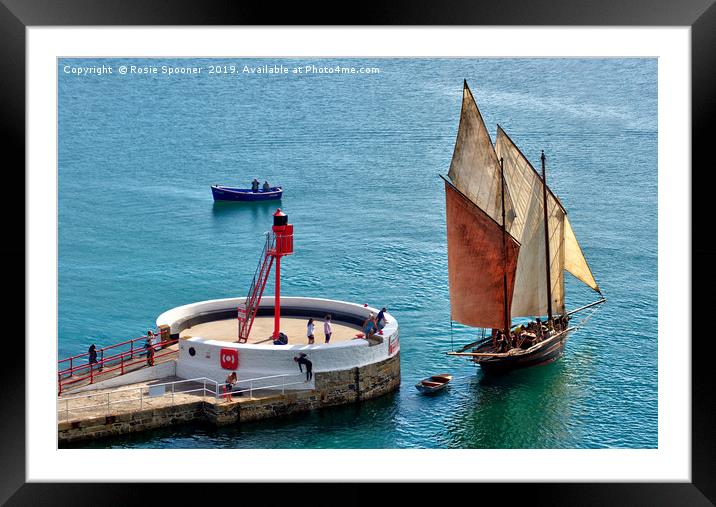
(283, 385)
(251, 388)
(172, 394)
(203, 392)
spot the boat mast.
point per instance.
(546, 240)
(504, 252)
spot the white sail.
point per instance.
(574, 260)
(525, 187)
(475, 169)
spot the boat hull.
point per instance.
(221, 193)
(433, 384)
(546, 354)
(429, 390)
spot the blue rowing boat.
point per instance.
(222, 193)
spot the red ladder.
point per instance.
(247, 311)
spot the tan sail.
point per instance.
(525, 188)
(574, 260)
(476, 263)
(474, 168)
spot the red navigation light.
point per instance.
(280, 219)
(284, 233)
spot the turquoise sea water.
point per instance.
(359, 156)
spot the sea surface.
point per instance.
(359, 157)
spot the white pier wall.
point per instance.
(266, 360)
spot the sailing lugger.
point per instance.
(503, 223)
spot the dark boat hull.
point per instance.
(221, 193)
(543, 355)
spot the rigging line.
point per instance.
(452, 343)
(588, 316)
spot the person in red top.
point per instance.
(150, 352)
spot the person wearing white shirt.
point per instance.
(327, 328)
(309, 331)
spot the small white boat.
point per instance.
(434, 383)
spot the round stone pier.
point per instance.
(345, 370)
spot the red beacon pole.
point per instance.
(283, 232)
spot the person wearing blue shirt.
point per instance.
(380, 319)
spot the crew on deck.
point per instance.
(526, 335)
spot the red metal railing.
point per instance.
(119, 361)
(67, 365)
(247, 312)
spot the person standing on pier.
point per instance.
(380, 319)
(309, 331)
(327, 328)
(231, 380)
(92, 356)
(150, 352)
(302, 360)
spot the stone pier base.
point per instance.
(331, 388)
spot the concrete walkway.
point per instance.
(135, 397)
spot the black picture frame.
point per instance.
(700, 15)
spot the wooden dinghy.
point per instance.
(434, 383)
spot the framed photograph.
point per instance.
(228, 228)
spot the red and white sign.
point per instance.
(393, 344)
(229, 359)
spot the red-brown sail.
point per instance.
(477, 263)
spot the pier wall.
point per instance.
(200, 357)
(158, 371)
(332, 388)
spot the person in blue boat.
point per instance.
(267, 187)
(255, 185)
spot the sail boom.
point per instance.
(581, 308)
